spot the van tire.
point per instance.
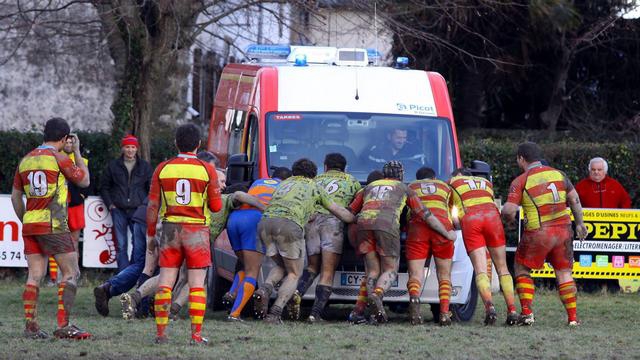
(464, 312)
(216, 287)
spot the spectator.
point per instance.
(125, 184)
(601, 191)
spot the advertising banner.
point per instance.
(99, 246)
(11, 244)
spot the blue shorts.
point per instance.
(242, 229)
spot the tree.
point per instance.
(148, 40)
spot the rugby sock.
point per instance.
(53, 269)
(484, 289)
(444, 293)
(361, 301)
(161, 307)
(506, 283)
(245, 293)
(61, 315)
(197, 308)
(305, 281)
(237, 280)
(413, 285)
(525, 289)
(323, 292)
(30, 302)
(567, 293)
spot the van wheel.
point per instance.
(464, 312)
(216, 288)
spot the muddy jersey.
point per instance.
(263, 189)
(42, 175)
(435, 195)
(542, 192)
(219, 219)
(340, 186)
(296, 199)
(380, 204)
(471, 193)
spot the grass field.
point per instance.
(609, 330)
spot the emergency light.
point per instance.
(301, 60)
(258, 51)
(402, 62)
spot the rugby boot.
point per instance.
(315, 318)
(273, 319)
(377, 309)
(228, 299)
(292, 309)
(526, 320)
(129, 304)
(161, 340)
(574, 323)
(415, 318)
(234, 319)
(356, 318)
(491, 317)
(198, 340)
(445, 319)
(71, 332)
(101, 294)
(512, 319)
(260, 303)
(32, 331)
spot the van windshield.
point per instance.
(367, 141)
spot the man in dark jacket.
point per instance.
(125, 183)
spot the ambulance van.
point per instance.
(292, 102)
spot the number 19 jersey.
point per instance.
(340, 186)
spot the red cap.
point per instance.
(129, 140)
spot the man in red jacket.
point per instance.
(601, 191)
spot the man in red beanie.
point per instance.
(601, 191)
(124, 186)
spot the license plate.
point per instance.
(355, 279)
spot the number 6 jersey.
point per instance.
(340, 186)
(41, 176)
(187, 189)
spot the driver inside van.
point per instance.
(397, 147)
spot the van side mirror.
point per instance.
(481, 168)
(239, 169)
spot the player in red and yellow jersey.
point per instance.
(185, 190)
(544, 193)
(482, 230)
(422, 241)
(379, 207)
(42, 176)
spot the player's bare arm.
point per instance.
(16, 201)
(436, 225)
(251, 200)
(85, 182)
(576, 208)
(342, 213)
(508, 213)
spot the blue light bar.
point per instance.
(301, 60)
(260, 51)
(373, 55)
(402, 62)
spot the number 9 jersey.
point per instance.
(188, 190)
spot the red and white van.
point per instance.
(292, 102)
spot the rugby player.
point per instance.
(324, 235)
(184, 189)
(379, 207)
(544, 193)
(281, 230)
(42, 176)
(421, 242)
(482, 230)
(356, 316)
(242, 232)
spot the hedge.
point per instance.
(568, 154)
